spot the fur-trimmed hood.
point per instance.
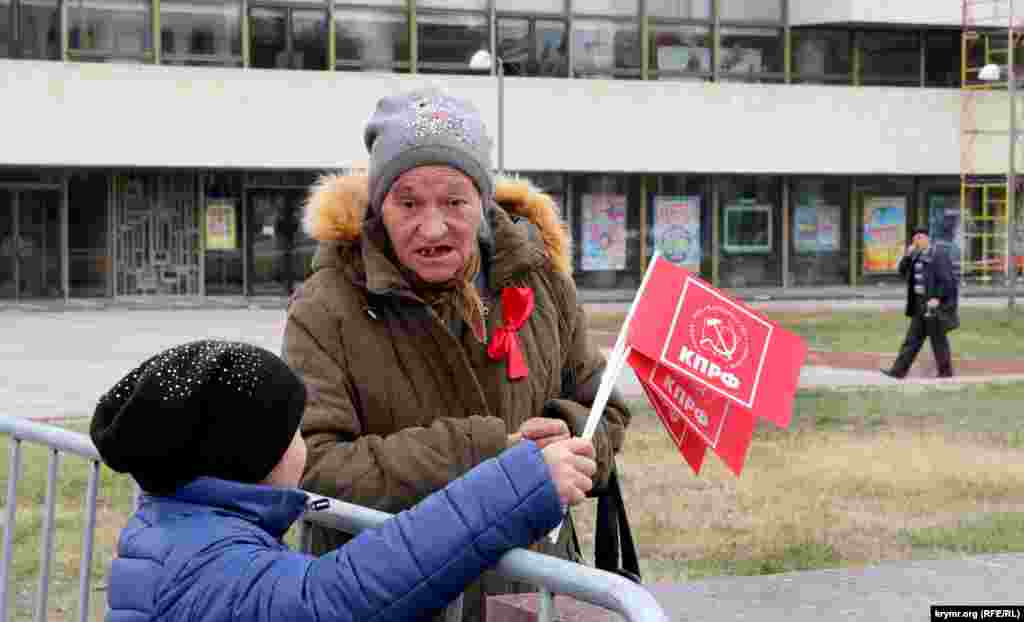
(336, 208)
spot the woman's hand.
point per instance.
(572, 466)
(542, 431)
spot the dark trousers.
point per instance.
(922, 326)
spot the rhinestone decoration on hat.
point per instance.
(182, 369)
(438, 116)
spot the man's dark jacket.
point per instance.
(939, 282)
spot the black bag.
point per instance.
(614, 549)
(948, 317)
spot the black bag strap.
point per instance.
(614, 549)
(612, 523)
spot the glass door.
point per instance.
(281, 252)
(39, 215)
(30, 247)
(8, 246)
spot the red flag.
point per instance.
(696, 410)
(689, 443)
(698, 333)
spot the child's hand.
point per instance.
(572, 466)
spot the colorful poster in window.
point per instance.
(816, 228)
(885, 233)
(944, 223)
(604, 232)
(221, 228)
(677, 230)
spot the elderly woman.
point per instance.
(441, 324)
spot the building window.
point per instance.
(604, 48)
(100, 30)
(752, 54)
(680, 52)
(30, 29)
(678, 221)
(942, 59)
(447, 41)
(618, 8)
(6, 30)
(750, 10)
(371, 40)
(890, 58)
(453, 5)
(529, 6)
(819, 232)
(607, 225)
(821, 56)
(288, 37)
(698, 10)
(198, 33)
(750, 234)
(533, 47)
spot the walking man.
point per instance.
(931, 304)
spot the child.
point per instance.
(209, 429)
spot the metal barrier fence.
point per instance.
(551, 575)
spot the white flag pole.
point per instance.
(612, 370)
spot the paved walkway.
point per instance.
(55, 364)
(895, 591)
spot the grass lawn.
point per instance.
(984, 332)
(859, 477)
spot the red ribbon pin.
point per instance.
(516, 306)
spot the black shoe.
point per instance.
(949, 375)
(891, 374)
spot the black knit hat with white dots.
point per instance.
(213, 408)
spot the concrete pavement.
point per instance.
(55, 364)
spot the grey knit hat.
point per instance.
(425, 127)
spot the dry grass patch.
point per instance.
(808, 498)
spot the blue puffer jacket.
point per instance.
(212, 551)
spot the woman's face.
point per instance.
(432, 214)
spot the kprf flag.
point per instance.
(695, 416)
(709, 364)
(699, 333)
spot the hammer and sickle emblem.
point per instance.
(719, 337)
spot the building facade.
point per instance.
(164, 147)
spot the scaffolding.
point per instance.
(993, 38)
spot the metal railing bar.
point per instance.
(558, 576)
(51, 436)
(13, 471)
(305, 537)
(85, 570)
(453, 612)
(49, 527)
(550, 574)
(546, 612)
